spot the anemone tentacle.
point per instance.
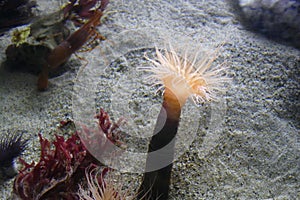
(177, 73)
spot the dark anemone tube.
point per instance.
(156, 183)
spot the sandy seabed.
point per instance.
(244, 147)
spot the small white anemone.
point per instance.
(108, 190)
(187, 79)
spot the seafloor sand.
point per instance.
(246, 146)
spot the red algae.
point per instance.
(62, 165)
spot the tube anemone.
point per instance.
(180, 79)
(102, 187)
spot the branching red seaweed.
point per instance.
(110, 129)
(62, 165)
